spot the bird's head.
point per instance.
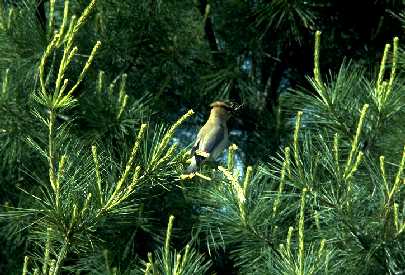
(222, 109)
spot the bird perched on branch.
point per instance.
(212, 137)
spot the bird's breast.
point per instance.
(221, 146)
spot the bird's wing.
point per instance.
(196, 143)
(212, 139)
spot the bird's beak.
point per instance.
(236, 107)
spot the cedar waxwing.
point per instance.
(212, 137)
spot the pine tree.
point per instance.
(96, 119)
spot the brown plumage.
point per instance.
(212, 137)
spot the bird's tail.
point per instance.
(192, 168)
(195, 163)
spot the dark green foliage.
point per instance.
(95, 128)
(22, 42)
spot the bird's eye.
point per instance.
(229, 109)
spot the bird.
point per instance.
(212, 137)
